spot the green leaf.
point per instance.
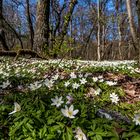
(18, 125)
(60, 124)
(130, 134)
(42, 132)
(98, 137)
(69, 133)
(136, 138)
(29, 126)
(51, 137)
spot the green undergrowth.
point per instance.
(33, 85)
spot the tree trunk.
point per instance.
(138, 13)
(63, 32)
(30, 24)
(42, 30)
(103, 41)
(67, 20)
(119, 28)
(131, 23)
(2, 33)
(70, 36)
(99, 30)
(138, 34)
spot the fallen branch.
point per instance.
(24, 52)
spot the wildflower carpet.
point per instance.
(69, 100)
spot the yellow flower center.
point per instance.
(70, 113)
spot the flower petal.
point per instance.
(12, 112)
(64, 112)
(75, 112)
(71, 108)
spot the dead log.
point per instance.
(22, 52)
(8, 53)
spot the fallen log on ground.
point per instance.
(21, 52)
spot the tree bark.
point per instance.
(131, 23)
(30, 24)
(67, 20)
(14, 31)
(119, 28)
(138, 13)
(2, 33)
(99, 31)
(42, 30)
(138, 33)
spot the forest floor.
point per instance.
(106, 95)
(124, 74)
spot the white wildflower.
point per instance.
(57, 101)
(136, 119)
(111, 83)
(75, 85)
(80, 75)
(66, 84)
(36, 85)
(92, 92)
(95, 79)
(100, 77)
(73, 75)
(87, 74)
(55, 77)
(5, 84)
(114, 98)
(101, 80)
(16, 108)
(98, 91)
(49, 83)
(69, 112)
(79, 134)
(83, 81)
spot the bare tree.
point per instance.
(99, 31)
(30, 24)
(131, 23)
(42, 30)
(67, 20)
(138, 14)
(2, 33)
(117, 6)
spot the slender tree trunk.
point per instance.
(14, 31)
(42, 30)
(70, 36)
(30, 24)
(131, 23)
(119, 28)
(1, 14)
(67, 20)
(138, 34)
(120, 40)
(99, 30)
(138, 13)
(103, 41)
(2, 33)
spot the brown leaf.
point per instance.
(129, 86)
(130, 92)
(119, 130)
